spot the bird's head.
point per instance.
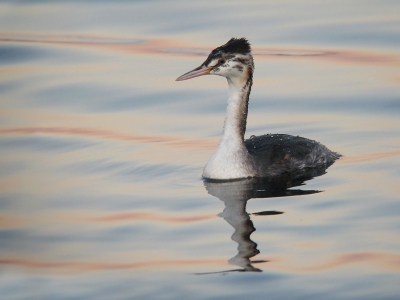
(232, 60)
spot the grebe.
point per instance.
(260, 156)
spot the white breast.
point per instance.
(228, 163)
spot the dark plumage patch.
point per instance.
(243, 61)
(234, 46)
(239, 67)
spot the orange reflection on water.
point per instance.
(379, 260)
(360, 158)
(8, 221)
(365, 58)
(179, 47)
(84, 266)
(150, 217)
(202, 144)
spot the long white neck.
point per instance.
(232, 160)
(236, 114)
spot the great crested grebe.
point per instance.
(259, 156)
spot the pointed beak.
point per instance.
(195, 73)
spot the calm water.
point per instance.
(102, 151)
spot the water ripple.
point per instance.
(201, 144)
(69, 39)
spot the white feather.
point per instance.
(231, 159)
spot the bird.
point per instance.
(266, 155)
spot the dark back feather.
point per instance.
(281, 153)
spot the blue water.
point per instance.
(101, 195)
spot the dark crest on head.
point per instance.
(233, 46)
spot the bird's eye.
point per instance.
(221, 61)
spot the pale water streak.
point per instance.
(102, 151)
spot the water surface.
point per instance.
(102, 151)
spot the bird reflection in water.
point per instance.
(236, 193)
